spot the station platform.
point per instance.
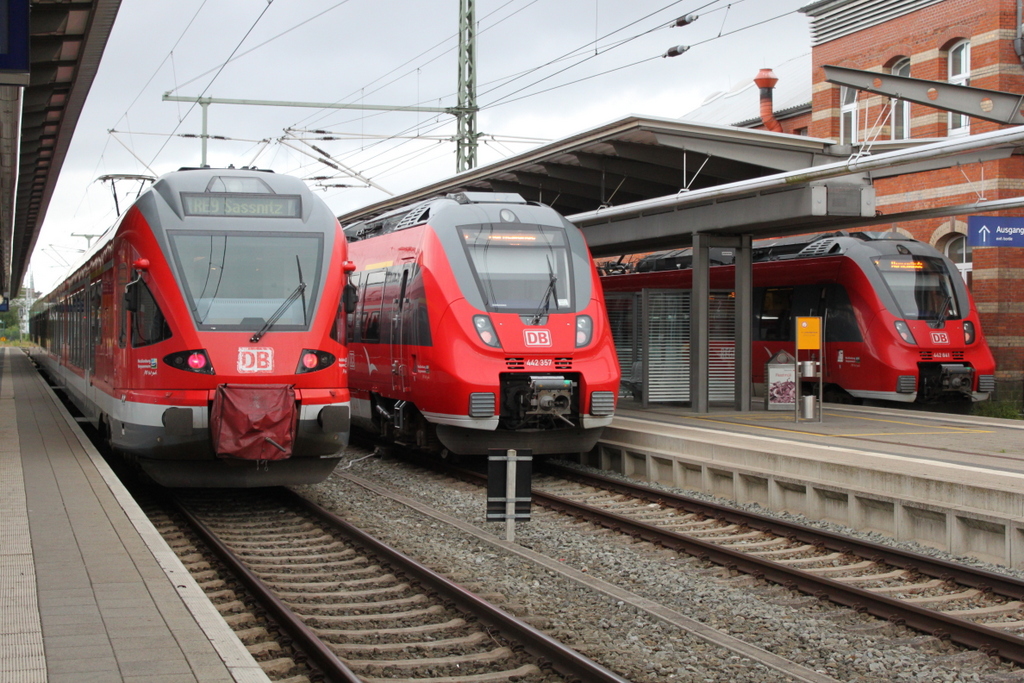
(912, 433)
(952, 482)
(89, 590)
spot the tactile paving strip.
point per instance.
(21, 636)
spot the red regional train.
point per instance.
(899, 322)
(201, 334)
(480, 325)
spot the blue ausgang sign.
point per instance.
(995, 231)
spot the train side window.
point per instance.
(840, 319)
(122, 280)
(352, 319)
(148, 323)
(416, 325)
(371, 301)
(776, 321)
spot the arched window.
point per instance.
(958, 250)
(960, 74)
(847, 115)
(901, 108)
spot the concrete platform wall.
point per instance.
(964, 510)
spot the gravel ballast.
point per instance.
(827, 639)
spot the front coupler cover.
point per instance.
(254, 421)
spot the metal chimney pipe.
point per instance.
(766, 81)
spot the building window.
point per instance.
(901, 108)
(847, 116)
(958, 251)
(960, 74)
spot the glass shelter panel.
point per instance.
(667, 342)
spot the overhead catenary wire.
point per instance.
(239, 45)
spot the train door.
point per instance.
(395, 296)
(368, 330)
(94, 337)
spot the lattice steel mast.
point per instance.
(466, 135)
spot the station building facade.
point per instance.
(967, 42)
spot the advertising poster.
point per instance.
(781, 388)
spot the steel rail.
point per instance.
(334, 669)
(992, 642)
(565, 660)
(941, 569)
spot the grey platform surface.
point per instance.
(988, 443)
(88, 589)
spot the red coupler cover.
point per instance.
(254, 421)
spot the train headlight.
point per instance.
(584, 330)
(485, 329)
(968, 332)
(196, 360)
(311, 360)
(904, 331)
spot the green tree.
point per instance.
(10, 325)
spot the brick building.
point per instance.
(969, 42)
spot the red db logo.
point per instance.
(255, 360)
(537, 337)
(940, 338)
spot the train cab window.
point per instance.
(921, 287)
(238, 281)
(522, 269)
(148, 323)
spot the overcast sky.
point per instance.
(545, 69)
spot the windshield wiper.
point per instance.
(300, 290)
(545, 303)
(944, 311)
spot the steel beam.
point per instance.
(990, 105)
(700, 335)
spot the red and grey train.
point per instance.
(480, 325)
(201, 335)
(900, 324)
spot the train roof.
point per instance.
(785, 248)
(419, 212)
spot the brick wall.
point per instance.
(925, 37)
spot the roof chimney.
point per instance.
(766, 81)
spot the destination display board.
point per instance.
(242, 205)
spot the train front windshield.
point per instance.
(238, 281)
(921, 285)
(521, 269)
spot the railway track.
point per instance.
(972, 607)
(361, 611)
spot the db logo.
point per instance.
(940, 338)
(537, 337)
(255, 360)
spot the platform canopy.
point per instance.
(37, 120)
(628, 160)
(643, 183)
